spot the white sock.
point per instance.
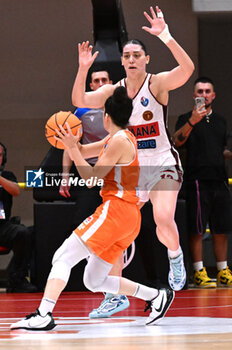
(221, 265)
(198, 265)
(174, 253)
(144, 292)
(46, 305)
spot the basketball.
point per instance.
(61, 118)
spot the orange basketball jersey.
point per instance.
(122, 180)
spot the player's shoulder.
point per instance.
(153, 76)
(155, 81)
(108, 88)
(158, 76)
(81, 112)
(122, 137)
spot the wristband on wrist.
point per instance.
(165, 35)
(188, 121)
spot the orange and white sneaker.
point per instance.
(202, 280)
(224, 278)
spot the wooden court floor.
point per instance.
(197, 319)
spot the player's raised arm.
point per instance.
(179, 75)
(81, 98)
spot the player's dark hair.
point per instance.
(135, 42)
(203, 80)
(4, 158)
(119, 107)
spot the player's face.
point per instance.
(134, 58)
(1, 155)
(205, 90)
(99, 79)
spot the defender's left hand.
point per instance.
(156, 20)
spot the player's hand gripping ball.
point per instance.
(61, 118)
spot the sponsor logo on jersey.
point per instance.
(146, 144)
(144, 101)
(143, 131)
(85, 223)
(147, 115)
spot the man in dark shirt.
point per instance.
(13, 235)
(203, 133)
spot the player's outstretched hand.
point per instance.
(86, 56)
(156, 20)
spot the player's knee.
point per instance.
(63, 254)
(60, 270)
(58, 255)
(92, 281)
(60, 267)
(163, 218)
(67, 256)
(71, 251)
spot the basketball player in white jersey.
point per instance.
(160, 167)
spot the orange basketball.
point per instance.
(61, 118)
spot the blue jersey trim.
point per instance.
(80, 111)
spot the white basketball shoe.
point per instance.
(35, 322)
(159, 306)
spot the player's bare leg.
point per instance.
(164, 197)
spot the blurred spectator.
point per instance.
(13, 235)
(203, 133)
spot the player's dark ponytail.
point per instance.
(119, 107)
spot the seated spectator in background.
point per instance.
(203, 133)
(13, 235)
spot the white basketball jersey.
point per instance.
(148, 122)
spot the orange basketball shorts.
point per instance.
(111, 229)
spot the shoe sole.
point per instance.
(108, 314)
(224, 285)
(167, 306)
(50, 326)
(209, 286)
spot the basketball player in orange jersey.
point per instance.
(161, 171)
(111, 229)
(93, 131)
